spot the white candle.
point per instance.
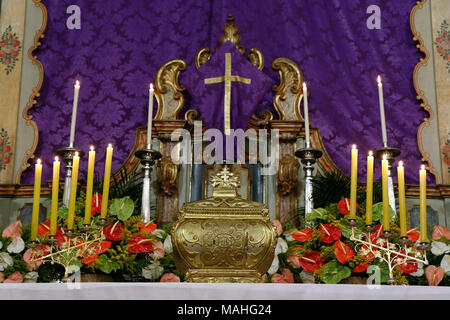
(74, 112)
(383, 120)
(305, 112)
(150, 117)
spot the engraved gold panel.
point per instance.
(224, 238)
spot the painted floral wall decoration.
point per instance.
(10, 47)
(442, 43)
(446, 153)
(5, 149)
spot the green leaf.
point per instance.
(74, 266)
(122, 208)
(63, 212)
(377, 212)
(334, 272)
(319, 213)
(106, 265)
(381, 267)
(346, 230)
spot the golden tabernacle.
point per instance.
(224, 238)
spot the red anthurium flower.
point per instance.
(302, 235)
(60, 236)
(365, 252)
(375, 237)
(96, 206)
(90, 259)
(409, 266)
(139, 244)
(361, 267)
(103, 246)
(311, 261)
(329, 233)
(44, 228)
(412, 234)
(343, 252)
(114, 231)
(344, 206)
(439, 232)
(147, 227)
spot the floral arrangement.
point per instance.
(325, 254)
(136, 251)
(131, 250)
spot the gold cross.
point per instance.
(227, 78)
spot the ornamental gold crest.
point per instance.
(224, 238)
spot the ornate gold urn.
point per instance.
(223, 238)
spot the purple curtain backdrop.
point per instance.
(121, 45)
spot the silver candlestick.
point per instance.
(308, 158)
(67, 155)
(148, 158)
(391, 154)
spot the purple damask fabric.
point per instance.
(121, 45)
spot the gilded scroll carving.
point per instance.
(288, 94)
(168, 91)
(167, 174)
(288, 175)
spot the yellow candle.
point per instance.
(385, 191)
(73, 191)
(401, 197)
(36, 199)
(89, 186)
(106, 181)
(423, 204)
(369, 189)
(55, 190)
(353, 179)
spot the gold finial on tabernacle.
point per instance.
(231, 34)
(225, 183)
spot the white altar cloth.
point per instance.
(215, 291)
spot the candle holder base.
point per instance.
(386, 235)
(308, 157)
(67, 155)
(391, 153)
(352, 223)
(404, 241)
(86, 228)
(34, 245)
(369, 229)
(52, 240)
(148, 158)
(102, 222)
(69, 233)
(424, 246)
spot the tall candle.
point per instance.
(306, 116)
(73, 191)
(89, 186)
(383, 120)
(401, 197)
(36, 199)
(369, 189)
(385, 192)
(353, 180)
(106, 181)
(55, 190)
(150, 117)
(423, 204)
(74, 112)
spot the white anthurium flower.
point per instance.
(31, 277)
(419, 271)
(275, 265)
(16, 245)
(438, 248)
(73, 268)
(152, 271)
(281, 246)
(307, 277)
(288, 234)
(5, 260)
(445, 264)
(159, 233)
(1, 245)
(168, 244)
